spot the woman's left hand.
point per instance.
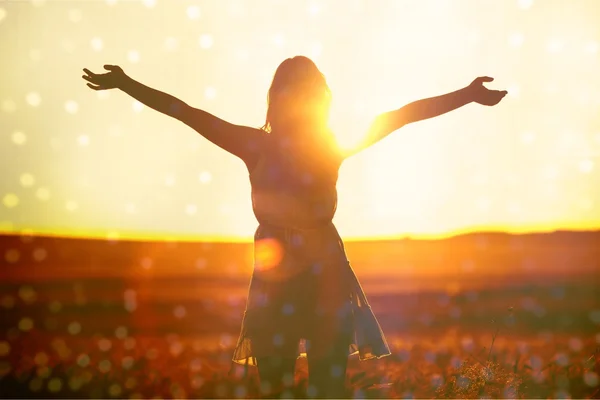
(109, 80)
(482, 95)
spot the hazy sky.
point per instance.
(77, 161)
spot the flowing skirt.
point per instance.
(303, 295)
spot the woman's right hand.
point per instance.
(109, 80)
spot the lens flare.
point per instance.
(268, 254)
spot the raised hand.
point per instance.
(109, 80)
(482, 95)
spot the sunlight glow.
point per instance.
(100, 161)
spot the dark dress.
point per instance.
(303, 289)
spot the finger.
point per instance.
(94, 87)
(109, 67)
(485, 78)
(87, 71)
(88, 78)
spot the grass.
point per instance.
(172, 367)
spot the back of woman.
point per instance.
(304, 297)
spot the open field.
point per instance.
(94, 319)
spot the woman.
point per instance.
(304, 296)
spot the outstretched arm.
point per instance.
(236, 139)
(388, 122)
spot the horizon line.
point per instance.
(111, 235)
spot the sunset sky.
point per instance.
(78, 162)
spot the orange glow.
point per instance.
(268, 254)
(80, 163)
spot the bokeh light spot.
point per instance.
(170, 180)
(41, 358)
(152, 354)
(55, 306)
(18, 138)
(191, 209)
(130, 300)
(83, 360)
(201, 263)
(10, 200)
(268, 253)
(130, 383)
(74, 328)
(279, 40)
(39, 254)
(33, 99)
(130, 208)
(129, 343)
(104, 366)
(205, 177)
(71, 107)
(27, 294)
(75, 15)
(171, 43)
(206, 41)
(146, 262)
(121, 332)
(590, 378)
(210, 93)
(104, 344)
(9, 106)
(514, 90)
(25, 324)
(314, 8)
(527, 137)
(114, 390)
(71, 205)
(586, 166)
(555, 45)
(54, 385)
(4, 348)
(133, 56)
(193, 12)
(42, 194)
(43, 371)
(11, 256)
(97, 44)
(315, 50)
(75, 383)
(137, 106)
(27, 180)
(7, 301)
(179, 312)
(525, 4)
(516, 40)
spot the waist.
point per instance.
(284, 210)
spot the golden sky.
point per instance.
(79, 162)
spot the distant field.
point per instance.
(141, 332)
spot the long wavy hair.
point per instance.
(299, 97)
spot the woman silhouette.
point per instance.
(304, 296)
